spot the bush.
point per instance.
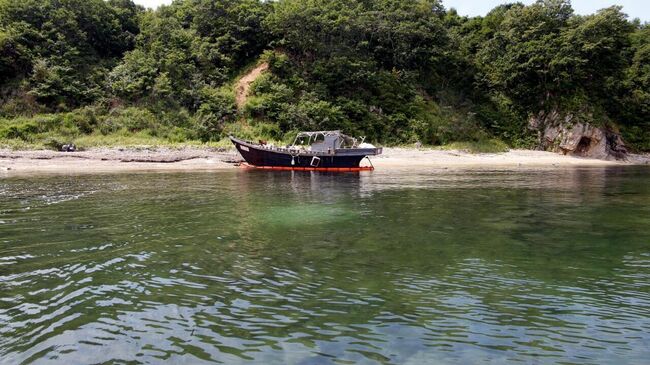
(175, 118)
(269, 98)
(53, 144)
(16, 101)
(132, 119)
(254, 131)
(24, 130)
(439, 125)
(84, 119)
(311, 114)
(178, 135)
(638, 137)
(278, 62)
(217, 108)
(481, 146)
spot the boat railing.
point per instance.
(300, 150)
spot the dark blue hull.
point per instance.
(259, 155)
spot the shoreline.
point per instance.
(185, 159)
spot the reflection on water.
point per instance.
(427, 267)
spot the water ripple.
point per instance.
(240, 268)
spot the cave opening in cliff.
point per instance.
(583, 146)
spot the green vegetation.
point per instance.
(481, 146)
(110, 72)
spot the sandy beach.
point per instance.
(109, 160)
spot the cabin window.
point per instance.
(309, 140)
(347, 143)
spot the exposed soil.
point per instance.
(243, 87)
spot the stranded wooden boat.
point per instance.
(311, 151)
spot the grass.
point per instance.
(111, 140)
(100, 140)
(96, 140)
(19, 145)
(132, 127)
(482, 146)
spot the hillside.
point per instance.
(97, 72)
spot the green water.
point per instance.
(429, 267)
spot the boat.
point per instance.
(311, 151)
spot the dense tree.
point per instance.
(14, 55)
(188, 46)
(542, 57)
(520, 58)
(369, 55)
(634, 107)
(64, 48)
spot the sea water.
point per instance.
(435, 266)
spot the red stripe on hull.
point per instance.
(321, 169)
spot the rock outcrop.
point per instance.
(564, 134)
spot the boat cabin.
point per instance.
(324, 141)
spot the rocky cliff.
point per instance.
(566, 134)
